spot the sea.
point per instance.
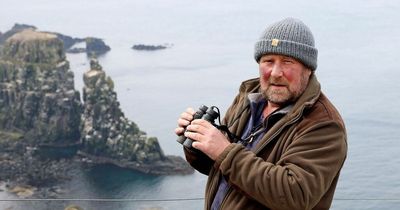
(211, 52)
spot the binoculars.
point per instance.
(208, 114)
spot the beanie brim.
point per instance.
(304, 53)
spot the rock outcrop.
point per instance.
(37, 95)
(106, 131)
(41, 114)
(150, 47)
(109, 137)
(68, 41)
(93, 46)
(96, 46)
(15, 29)
(38, 107)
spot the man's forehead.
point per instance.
(283, 57)
(278, 56)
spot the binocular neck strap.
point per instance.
(231, 136)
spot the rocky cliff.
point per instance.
(37, 95)
(38, 107)
(41, 111)
(109, 137)
(93, 46)
(15, 29)
(106, 131)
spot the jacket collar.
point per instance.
(307, 99)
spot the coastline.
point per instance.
(171, 165)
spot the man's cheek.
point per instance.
(264, 75)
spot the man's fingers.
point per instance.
(183, 122)
(179, 131)
(187, 116)
(196, 145)
(202, 122)
(196, 128)
(190, 110)
(194, 136)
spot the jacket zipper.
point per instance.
(214, 185)
(230, 189)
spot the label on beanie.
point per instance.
(275, 42)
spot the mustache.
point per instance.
(280, 82)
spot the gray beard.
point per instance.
(290, 97)
(268, 94)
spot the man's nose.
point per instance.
(276, 70)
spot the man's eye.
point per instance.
(267, 61)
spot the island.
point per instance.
(150, 47)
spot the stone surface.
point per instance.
(15, 29)
(37, 95)
(105, 130)
(23, 191)
(109, 137)
(73, 207)
(94, 46)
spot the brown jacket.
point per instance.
(295, 165)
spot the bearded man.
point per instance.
(293, 141)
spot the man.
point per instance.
(293, 140)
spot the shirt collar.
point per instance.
(257, 103)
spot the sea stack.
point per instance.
(37, 95)
(106, 131)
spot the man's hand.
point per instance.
(207, 138)
(184, 120)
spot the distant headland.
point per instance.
(92, 46)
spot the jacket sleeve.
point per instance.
(198, 160)
(300, 177)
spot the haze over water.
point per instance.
(212, 52)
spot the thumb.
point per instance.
(196, 145)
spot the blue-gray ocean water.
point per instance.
(212, 53)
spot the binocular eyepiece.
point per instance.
(208, 114)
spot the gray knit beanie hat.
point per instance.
(289, 37)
